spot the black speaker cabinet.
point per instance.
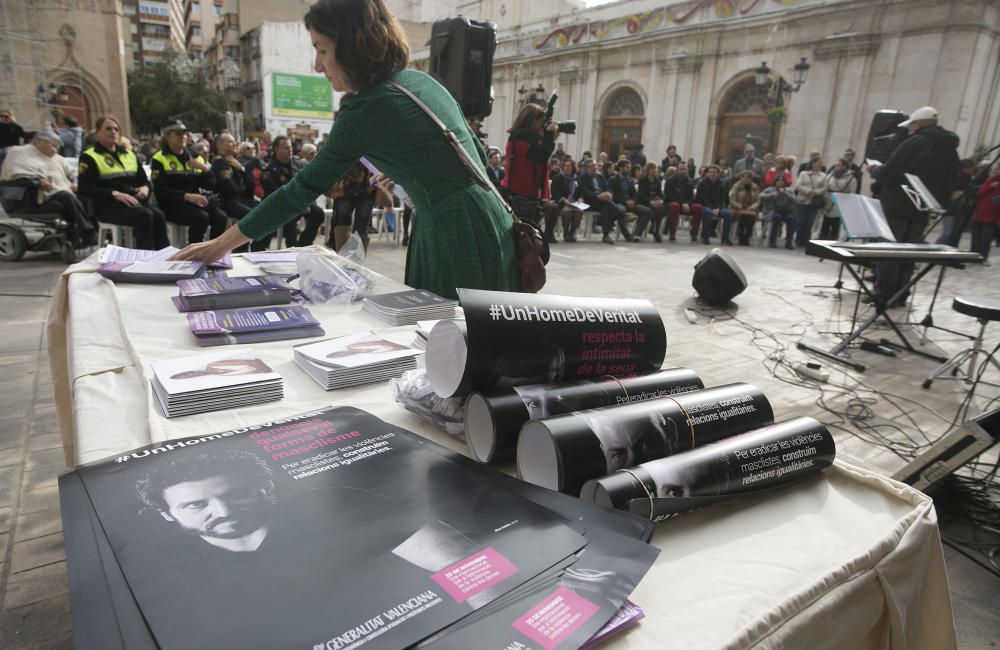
(462, 61)
(718, 279)
(884, 135)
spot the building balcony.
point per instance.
(252, 87)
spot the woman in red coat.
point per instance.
(987, 214)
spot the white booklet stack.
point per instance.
(408, 307)
(355, 359)
(214, 381)
(424, 328)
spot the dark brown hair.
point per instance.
(370, 44)
(526, 118)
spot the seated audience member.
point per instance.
(987, 214)
(566, 190)
(595, 193)
(493, 168)
(636, 157)
(650, 195)
(678, 193)
(711, 194)
(72, 138)
(744, 199)
(840, 179)
(234, 186)
(623, 192)
(11, 133)
(672, 159)
(281, 169)
(308, 152)
(778, 169)
(781, 203)
(111, 177)
(39, 161)
(201, 151)
(602, 158)
(353, 200)
(183, 191)
(726, 172)
(768, 160)
(254, 167)
(560, 153)
(749, 162)
(607, 169)
(555, 167)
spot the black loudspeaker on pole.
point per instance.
(462, 61)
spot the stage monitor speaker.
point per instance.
(461, 59)
(718, 279)
(952, 451)
(884, 135)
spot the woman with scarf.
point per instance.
(840, 179)
(565, 191)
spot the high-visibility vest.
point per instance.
(172, 164)
(109, 167)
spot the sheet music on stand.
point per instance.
(921, 197)
(862, 217)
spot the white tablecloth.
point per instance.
(849, 559)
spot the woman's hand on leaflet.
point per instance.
(213, 249)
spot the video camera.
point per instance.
(568, 127)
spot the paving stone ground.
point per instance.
(779, 304)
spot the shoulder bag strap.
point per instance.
(477, 172)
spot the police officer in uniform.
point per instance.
(111, 176)
(183, 189)
(234, 186)
(281, 168)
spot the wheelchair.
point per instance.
(29, 227)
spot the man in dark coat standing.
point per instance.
(930, 153)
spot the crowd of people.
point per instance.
(202, 183)
(791, 201)
(546, 185)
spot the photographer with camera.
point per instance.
(529, 147)
(183, 189)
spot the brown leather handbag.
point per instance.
(532, 250)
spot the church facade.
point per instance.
(686, 73)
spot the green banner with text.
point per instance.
(298, 95)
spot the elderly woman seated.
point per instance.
(39, 162)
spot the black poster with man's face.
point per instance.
(327, 530)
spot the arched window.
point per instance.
(622, 124)
(743, 119)
(625, 103)
(748, 97)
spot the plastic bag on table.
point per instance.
(414, 393)
(325, 276)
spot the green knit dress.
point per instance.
(461, 233)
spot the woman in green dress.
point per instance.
(462, 233)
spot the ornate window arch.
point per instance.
(747, 97)
(625, 103)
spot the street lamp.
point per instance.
(534, 95)
(779, 87)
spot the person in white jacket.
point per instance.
(840, 179)
(810, 195)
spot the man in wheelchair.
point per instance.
(46, 177)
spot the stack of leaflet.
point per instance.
(424, 328)
(150, 267)
(433, 548)
(356, 359)
(408, 307)
(213, 381)
(253, 325)
(230, 293)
